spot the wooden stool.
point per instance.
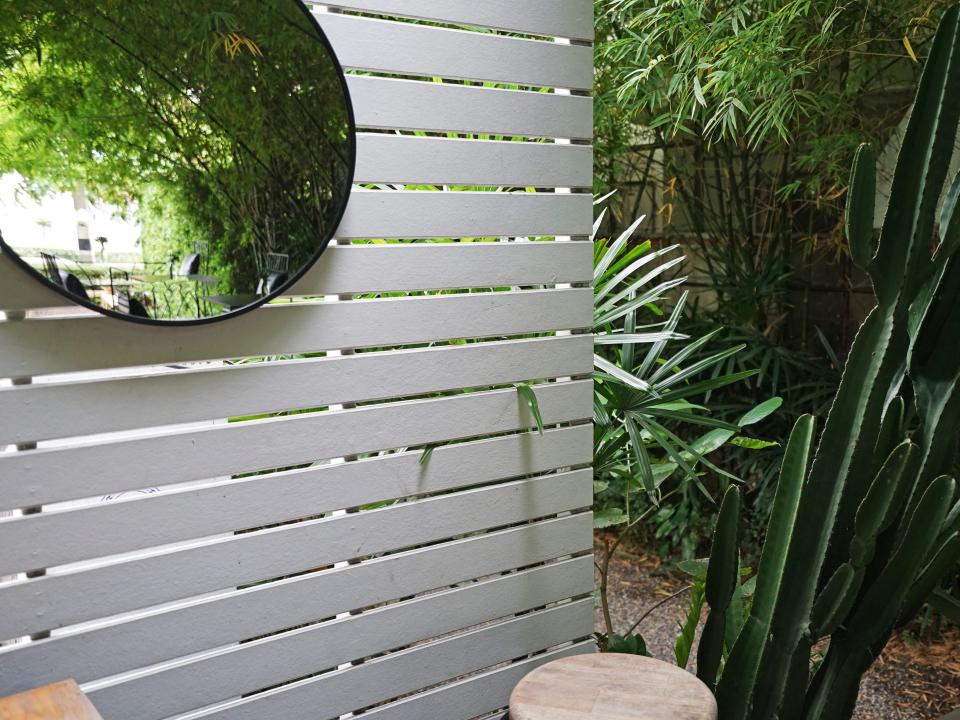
(611, 686)
(61, 701)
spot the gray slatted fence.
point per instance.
(308, 564)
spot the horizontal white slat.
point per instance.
(222, 619)
(407, 671)
(60, 599)
(383, 158)
(60, 537)
(63, 409)
(404, 267)
(388, 103)
(229, 672)
(37, 347)
(20, 291)
(402, 48)
(41, 477)
(474, 696)
(433, 214)
(440, 266)
(436, 214)
(568, 19)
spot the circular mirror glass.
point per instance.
(177, 161)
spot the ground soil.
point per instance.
(914, 679)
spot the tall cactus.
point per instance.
(857, 542)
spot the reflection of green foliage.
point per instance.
(224, 120)
(169, 232)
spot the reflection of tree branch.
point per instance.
(310, 34)
(156, 70)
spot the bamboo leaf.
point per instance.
(530, 397)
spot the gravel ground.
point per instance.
(910, 681)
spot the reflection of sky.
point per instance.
(52, 223)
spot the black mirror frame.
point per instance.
(10, 252)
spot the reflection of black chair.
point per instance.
(276, 267)
(271, 283)
(68, 281)
(130, 305)
(52, 267)
(190, 265)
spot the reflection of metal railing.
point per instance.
(163, 296)
(146, 289)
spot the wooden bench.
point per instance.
(611, 686)
(60, 701)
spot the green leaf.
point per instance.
(688, 628)
(426, 454)
(527, 393)
(608, 517)
(620, 374)
(946, 605)
(860, 206)
(761, 412)
(630, 645)
(698, 91)
(640, 453)
(753, 443)
(696, 569)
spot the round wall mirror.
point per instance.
(169, 162)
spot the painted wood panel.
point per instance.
(478, 694)
(38, 347)
(395, 674)
(568, 19)
(61, 409)
(383, 158)
(426, 214)
(144, 580)
(89, 653)
(233, 671)
(393, 104)
(408, 49)
(150, 595)
(146, 520)
(40, 477)
(405, 267)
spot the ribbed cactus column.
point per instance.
(858, 542)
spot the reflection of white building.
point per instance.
(64, 223)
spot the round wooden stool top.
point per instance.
(611, 686)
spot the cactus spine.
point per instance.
(857, 543)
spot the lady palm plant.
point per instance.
(649, 394)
